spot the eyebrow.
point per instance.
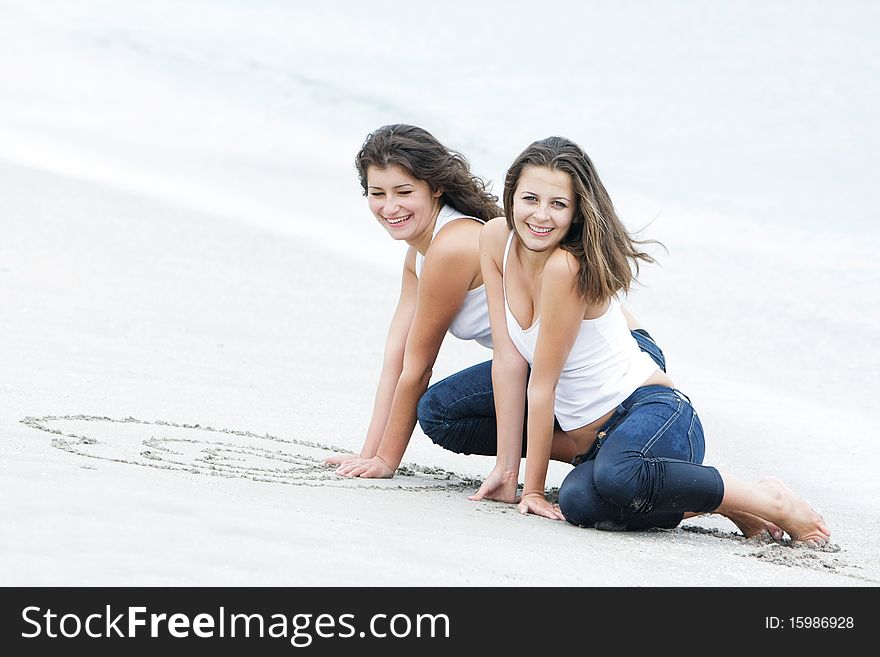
(555, 198)
(395, 187)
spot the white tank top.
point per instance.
(604, 367)
(472, 320)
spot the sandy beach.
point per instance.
(194, 296)
(171, 381)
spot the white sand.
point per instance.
(115, 306)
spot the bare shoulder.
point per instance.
(494, 234)
(454, 251)
(458, 239)
(496, 228)
(460, 226)
(409, 262)
(561, 267)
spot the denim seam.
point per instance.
(446, 414)
(661, 430)
(690, 434)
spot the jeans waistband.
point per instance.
(621, 412)
(646, 391)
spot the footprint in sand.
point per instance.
(207, 450)
(827, 558)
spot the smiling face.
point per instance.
(543, 207)
(405, 206)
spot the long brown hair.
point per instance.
(418, 152)
(609, 256)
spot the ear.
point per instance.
(439, 191)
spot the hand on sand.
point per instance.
(374, 468)
(499, 486)
(537, 504)
(339, 459)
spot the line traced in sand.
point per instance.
(206, 450)
(198, 449)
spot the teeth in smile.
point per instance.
(398, 219)
(540, 230)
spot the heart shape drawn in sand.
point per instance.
(197, 449)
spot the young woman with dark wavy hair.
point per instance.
(424, 194)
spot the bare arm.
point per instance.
(450, 266)
(562, 310)
(509, 372)
(392, 364)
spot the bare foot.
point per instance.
(752, 526)
(795, 515)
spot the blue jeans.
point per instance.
(458, 413)
(643, 471)
(644, 468)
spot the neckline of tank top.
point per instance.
(448, 210)
(537, 320)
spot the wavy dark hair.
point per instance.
(418, 152)
(609, 256)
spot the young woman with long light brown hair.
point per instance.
(554, 268)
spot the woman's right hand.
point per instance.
(373, 468)
(340, 459)
(499, 486)
(536, 503)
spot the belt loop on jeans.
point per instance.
(580, 458)
(619, 414)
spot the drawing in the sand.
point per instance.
(197, 449)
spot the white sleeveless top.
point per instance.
(472, 320)
(604, 367)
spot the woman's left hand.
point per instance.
(374, 468)
(537, 504)
(499, 486)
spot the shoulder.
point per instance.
(494, 233)
(562, 265)
(458, 241)
(461, 230)
(409, 262)
(560, 273)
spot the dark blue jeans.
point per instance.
(644, 469)
(458, 412)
